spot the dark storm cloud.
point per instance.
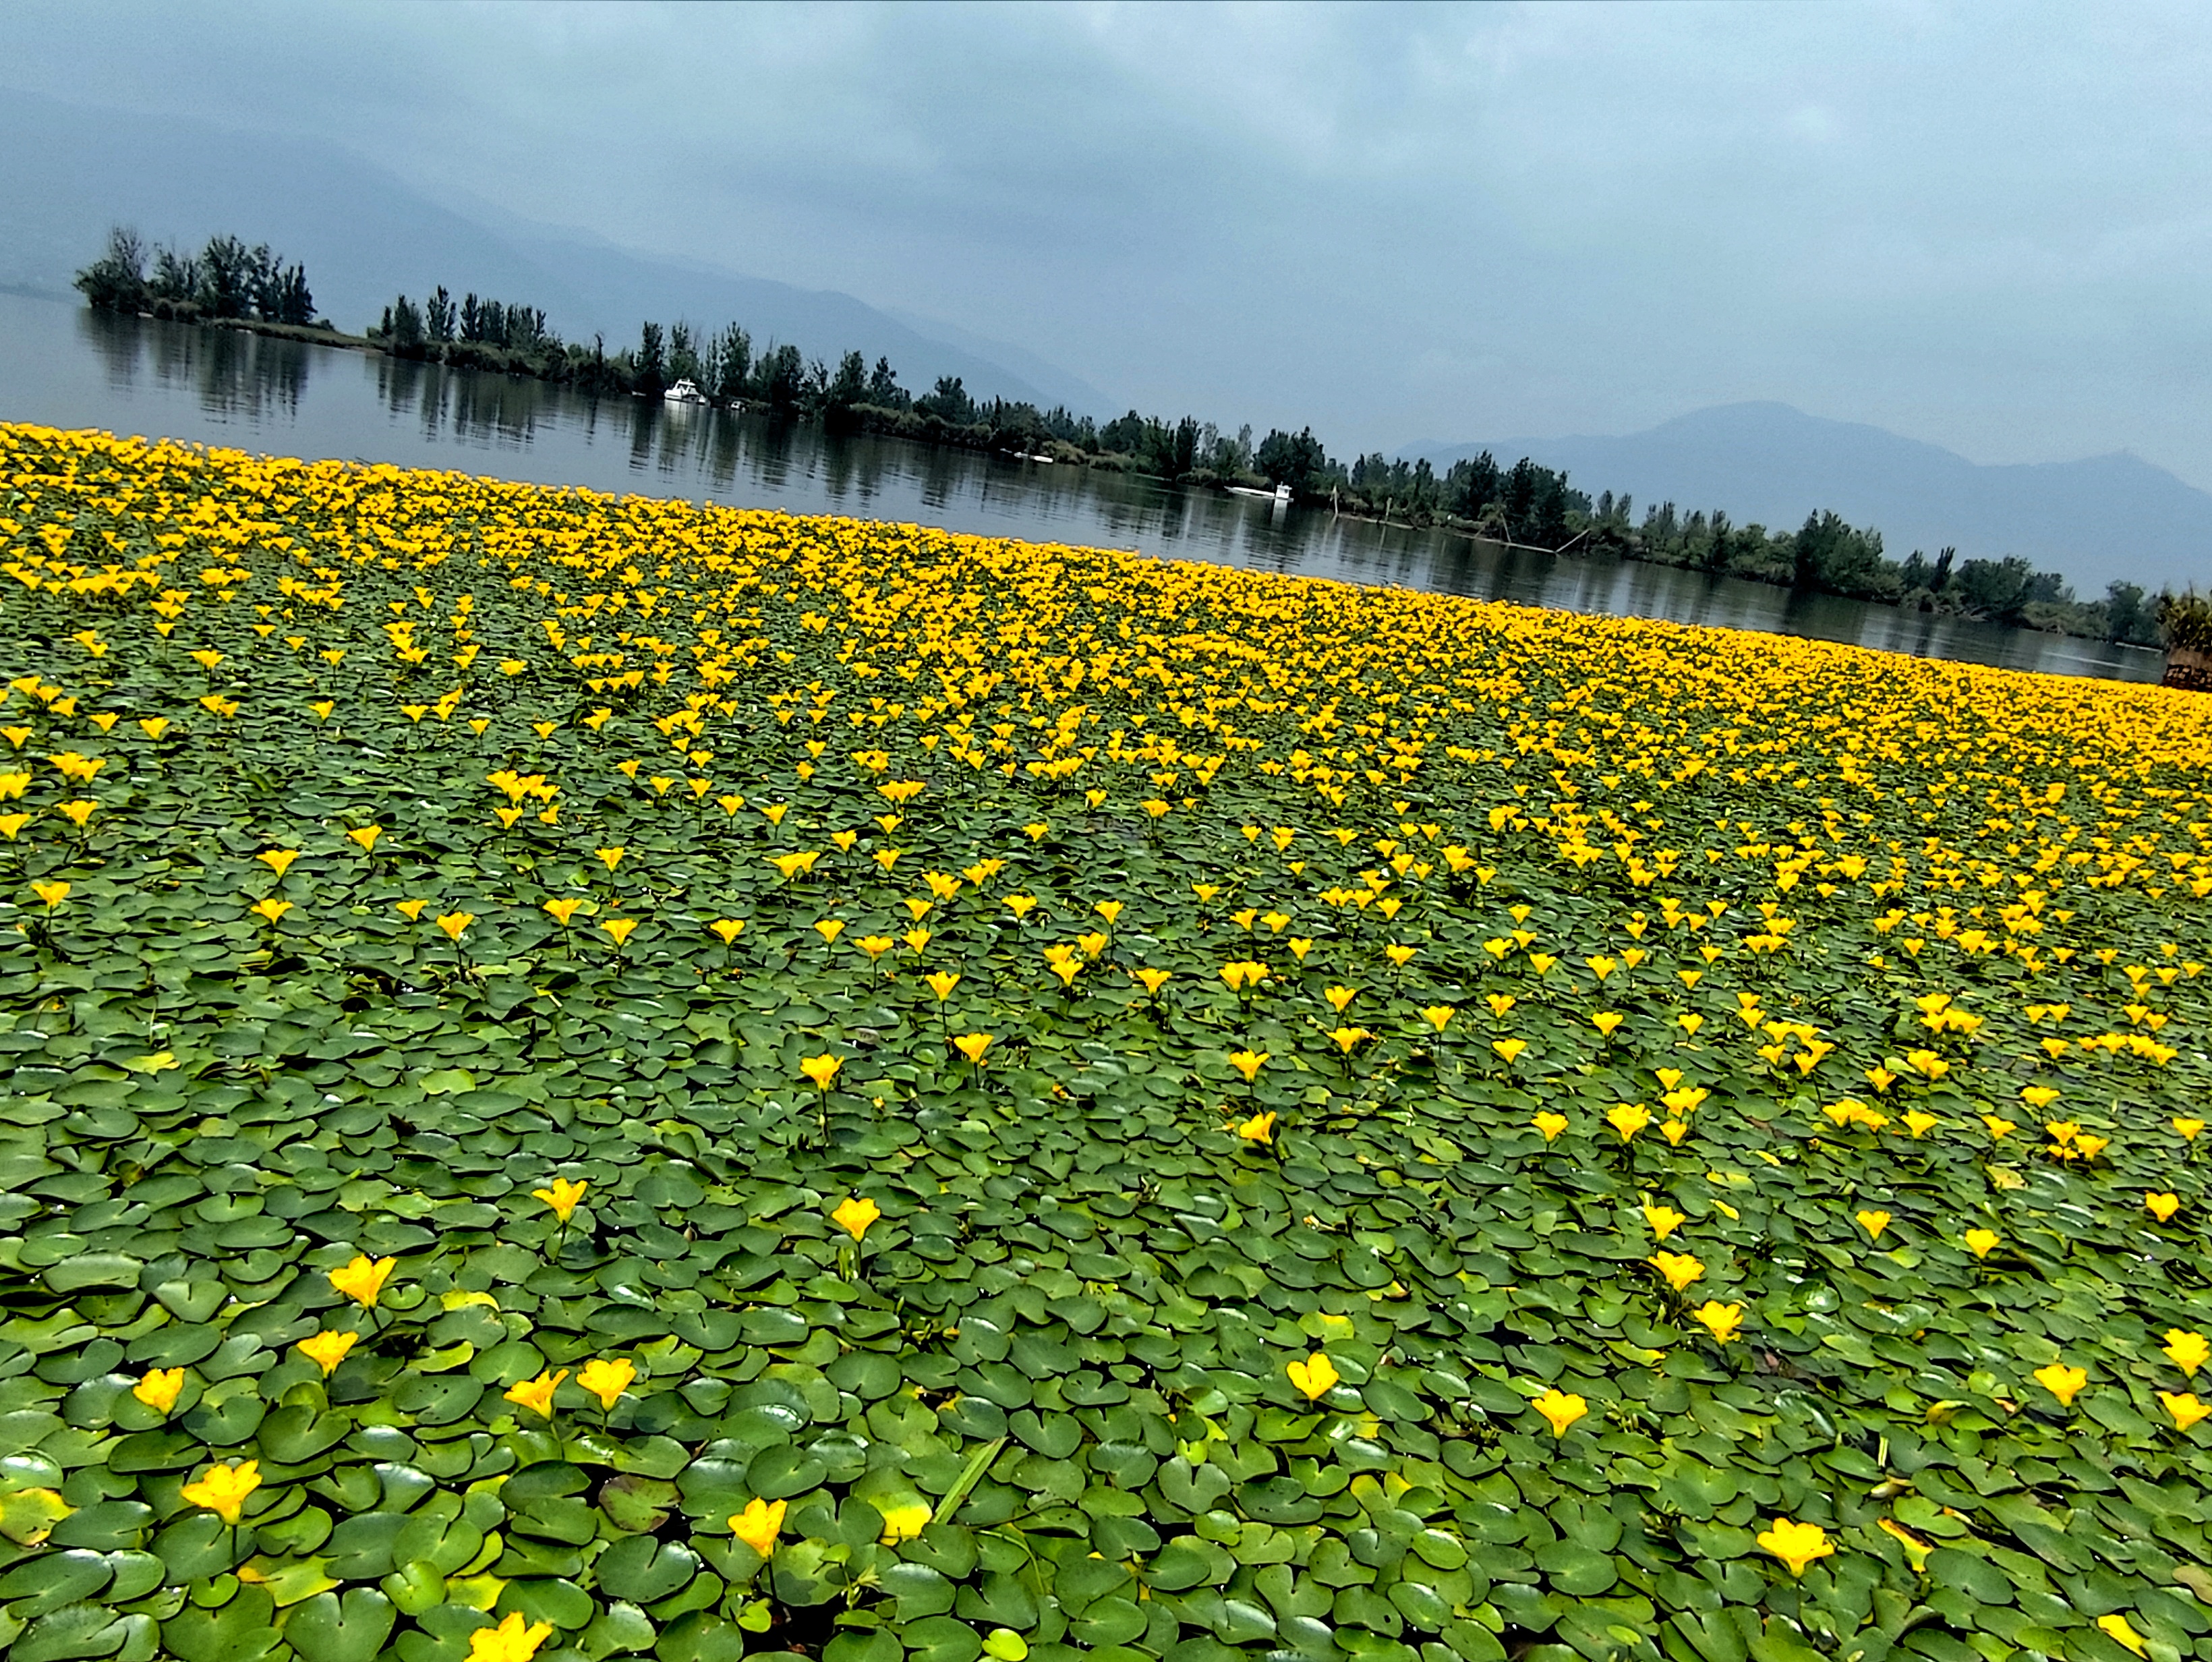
(1984, 226)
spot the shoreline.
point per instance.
(928, 429)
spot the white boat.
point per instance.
(685, 392)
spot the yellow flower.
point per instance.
(1508, 1048)
(328, 1349)
(1550, 1124)
(278, 860)
(2184, 1408)
(365, 836)
(1560, 1409)
(2118, 1627)
(270, 909)
(854, 1214)
(563, 909)
(2189, 1128)
(758, 1525)
(942, 983)
(536, 1395)
(1439, 1016)
(224, 1489)
(1797, 1545)
(1721, 1320)
(453, 923)
(1247, 1063)
(821, 1069)
(160, 1388)
(362, 1281)
(1679, 1268)
(1260, 1128)
(2062, 1382)
(1920, 1122)
(2189, 1351)
(411, 909)
(1628, 1118)
(1664, 1220)
(2162, 1206)
(1315, 1375)
(53, 893)
(1916, 1549)
(1873, 1222)
(562, 1196)
(607, 1380)
(1605, 1021)
(729, 929)
(972, 1045)
(610, 858)
(511, 1640)
(1982, 1242)
(906, 1522)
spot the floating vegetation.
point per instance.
(597, 1077)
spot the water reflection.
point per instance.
(234, 377)
(70, 366)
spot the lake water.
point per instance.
(64, 365)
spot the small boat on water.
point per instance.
(685, 392)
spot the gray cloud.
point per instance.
(1986, 227)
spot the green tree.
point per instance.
(729, 366)
(883, 389)
(1296, 460)
(2128, 617)
(650, 366)
(227, 272)
(1998, 590)
(850, 385)
(402, 327)
(116, 282)
(948, 401)
(684, 364)
(782, 377)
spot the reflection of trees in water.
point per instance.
(772, 440)
(505, 410)
(399, 384)
(721, 447)
(231, 374)
(941, 468)
(502, 407)
(117, 339)
(644, 423)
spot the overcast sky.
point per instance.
(1985, 226)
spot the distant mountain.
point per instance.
(1060, 386)
(364, 235)
(2106, 517)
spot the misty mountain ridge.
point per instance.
(364, 236)
(2097, 519)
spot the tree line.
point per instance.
(226, 280)
(1526, 504)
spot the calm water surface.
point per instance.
(65, 366)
